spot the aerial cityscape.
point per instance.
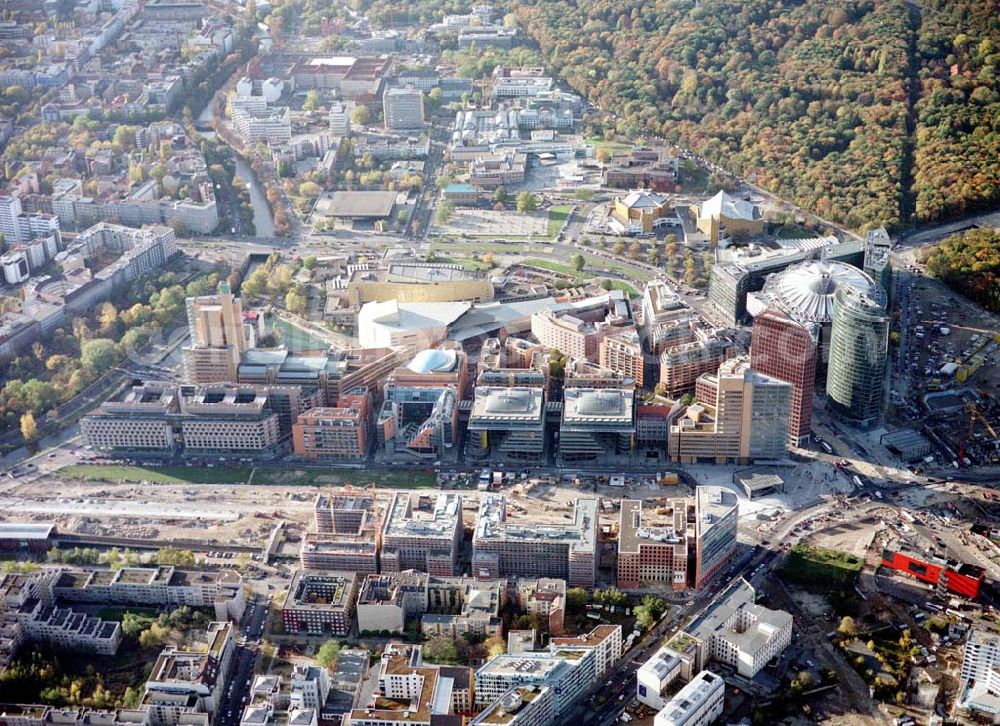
(522, 363)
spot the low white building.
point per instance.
(699, 703)
(732, 630)
(272, 125)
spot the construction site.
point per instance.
(947, 376)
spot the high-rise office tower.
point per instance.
(858, 345)
(403, 108)
(218, 338)
(785, 349)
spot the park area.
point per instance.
(393, 479)
(818, 568)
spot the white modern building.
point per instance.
(569, 672)
(699, 703)
(979, 692)
(520, 706)
(732, 630)
(340, 119)
(272, 126)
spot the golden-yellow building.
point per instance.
(418, 283)
(639, 211)
(724, 216)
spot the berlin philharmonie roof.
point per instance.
(726, 205)
(805, 291)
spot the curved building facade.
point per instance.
(806, 293)
(858, 346)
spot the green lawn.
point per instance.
(794, 231)
(157, 475)
(289, 476)
(624, 287)
(389, 479)
(578, 277)
(821, 569)
(600, 143)
(557, 218)
(557, 267)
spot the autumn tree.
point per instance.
(328, 653)
(29, 429)
(526, 202)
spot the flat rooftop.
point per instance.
(598, 408)
(416, 515)
(26, 531)
(580, 535)
(356, 204)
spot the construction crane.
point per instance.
(974, 415)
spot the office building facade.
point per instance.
(859, 345)
(567, 551)
(785, 349)
(403, 109)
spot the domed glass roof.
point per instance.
(509, 401)
(805, 291)
(433, 361)
(595, 403)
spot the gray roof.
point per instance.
(24, 530)
(357, 204)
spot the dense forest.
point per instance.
(970, 264)
(958, 133)
(865, 111)
(807, 98)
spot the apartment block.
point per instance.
(403, 109)
(623, 353)
(569, 672)
(271, 125)
(520, 706)
(346, 536)
(566, 551)
(735, 631)
(679, 545)
(320, 603)
(699, 703)
(163, 585)
(422, 532)
(544, 597)
(340, 433)
(29, 612)
(388, 601)
(184, 682)
(410, 692)
(979, 693)
(577, 328)
(463, 605)
(681, 365)
(218, 338)
(604, 640)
